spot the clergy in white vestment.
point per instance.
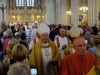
(62, 42)
(44, 51)
(32, 33)
(35, 40)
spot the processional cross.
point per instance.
(3, 8)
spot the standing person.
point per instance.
(62, 42)
(5, 42)
(53, 33)
(44, 51)
(13, 30)
(96, 42)
(20, 67)
(96, 68)
(88, 36)
(80, 62)
(35, 40)
(32, 33)
(23, 40)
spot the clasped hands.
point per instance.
(64, 46)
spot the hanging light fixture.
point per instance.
(68, 12)
(84, 8)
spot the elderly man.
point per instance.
(62, 42)
(80, 62)
(44, 51)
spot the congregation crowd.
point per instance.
(51, 49)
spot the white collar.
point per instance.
(45, 44)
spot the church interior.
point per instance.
(65, 12)
(49, 37)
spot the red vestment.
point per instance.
(76, 65)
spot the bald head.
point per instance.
(78, 39)
(79, 44)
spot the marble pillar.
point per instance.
(75, 12)
(50, 11)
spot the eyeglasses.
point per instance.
(84, 45)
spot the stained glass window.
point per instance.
(30, 3)
(19, 3)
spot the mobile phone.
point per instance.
(33, 70)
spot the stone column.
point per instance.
(44, 11)
(61, 8)
(50, 11)
(90, 12)
(98, 10)
(68, 15)
(63, 12)
(7, 9)
(75, 12)
(58, 12)
(95, 13)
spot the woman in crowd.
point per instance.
(11, 44)
(96, 41)
(19, 53)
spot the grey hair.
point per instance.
(19, 69)
(10, 34)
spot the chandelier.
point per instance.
(84, 8)
(68, 12)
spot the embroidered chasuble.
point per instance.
(47, 56)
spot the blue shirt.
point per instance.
(93, 50)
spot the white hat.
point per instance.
(74, 31)
(42, 28)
